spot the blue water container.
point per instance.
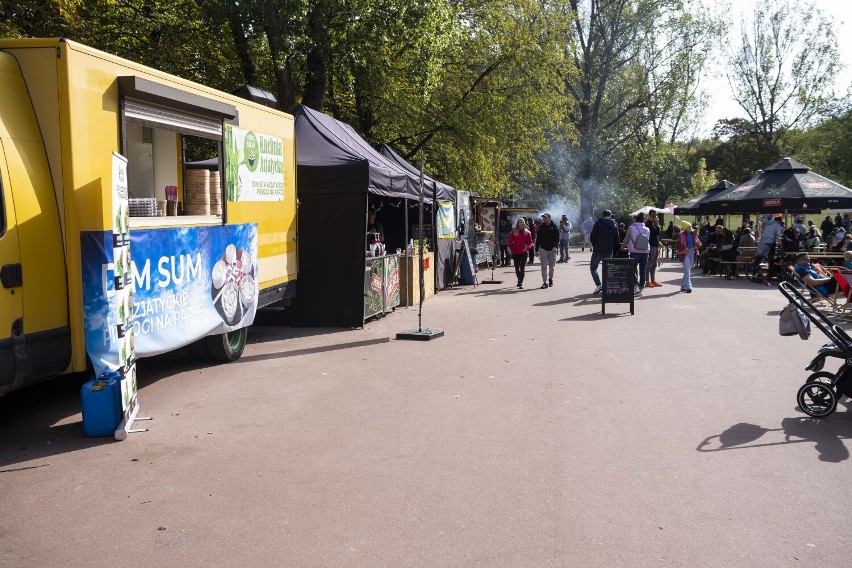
(101, 401)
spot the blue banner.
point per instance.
(190, 282)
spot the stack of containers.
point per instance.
(215, 193)
(198, 192)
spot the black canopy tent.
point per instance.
(444, 248)
(694, 205)
(337, 171)
(432, 187)
(786, 185)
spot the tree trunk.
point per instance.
(241, 43)
(316, 79)
(280, 62)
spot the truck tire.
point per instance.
(227, 347)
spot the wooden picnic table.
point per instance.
(817, 255)
(667, 250)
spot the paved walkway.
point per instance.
(536, 433)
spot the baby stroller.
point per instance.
(822, 390)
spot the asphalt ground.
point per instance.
(535, 433)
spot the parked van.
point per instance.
(208, 244)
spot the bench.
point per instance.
(731, 268)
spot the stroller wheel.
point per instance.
(828, 379)
(816, 399)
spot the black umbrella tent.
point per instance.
(337, 173)
(786, 185)
(693, 206)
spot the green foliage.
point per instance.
(589, 100)
(639, 62)
(783, 67)
(826, 148)
(742, 149)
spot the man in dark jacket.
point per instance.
(604, 239)
(826, 228)
(547, 247)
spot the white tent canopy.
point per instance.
(647, 209)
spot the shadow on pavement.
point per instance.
(827, 435)
(29, 428)
(313, 350)
(44, 420)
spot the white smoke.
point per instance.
(557, 206)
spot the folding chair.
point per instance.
(817, 296)
(844, 283)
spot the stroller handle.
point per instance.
(819, 319)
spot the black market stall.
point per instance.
(441, 214)
(339, 175)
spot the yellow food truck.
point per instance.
(111, 242)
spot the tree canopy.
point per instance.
(595, 101)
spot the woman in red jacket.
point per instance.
(520, 243)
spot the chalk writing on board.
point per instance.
(618, 280)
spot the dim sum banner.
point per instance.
(190, 282)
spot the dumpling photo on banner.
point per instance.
(446, 220)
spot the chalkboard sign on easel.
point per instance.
(618, 282)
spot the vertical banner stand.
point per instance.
(124, 289)
(430, 332)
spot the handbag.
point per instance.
(793, 321)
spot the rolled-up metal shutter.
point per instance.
(164, 118)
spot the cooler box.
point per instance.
(101, 401)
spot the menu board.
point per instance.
(618, 282)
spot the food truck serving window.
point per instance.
(163, 128)
(155, 116)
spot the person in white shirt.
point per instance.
(771, 233)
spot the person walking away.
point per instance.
(503, 236)
(546, 247)
(533, 229)
(637, 243)
(520, 243)
(564, 239)
(604, 239)
(653, 224)
(587, 227)
(826, 227)
(687, 244)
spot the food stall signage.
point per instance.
(254, 166)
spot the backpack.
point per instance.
(640, 242)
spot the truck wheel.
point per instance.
(227, 347)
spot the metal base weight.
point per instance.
(491, 282)
(425, 335)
